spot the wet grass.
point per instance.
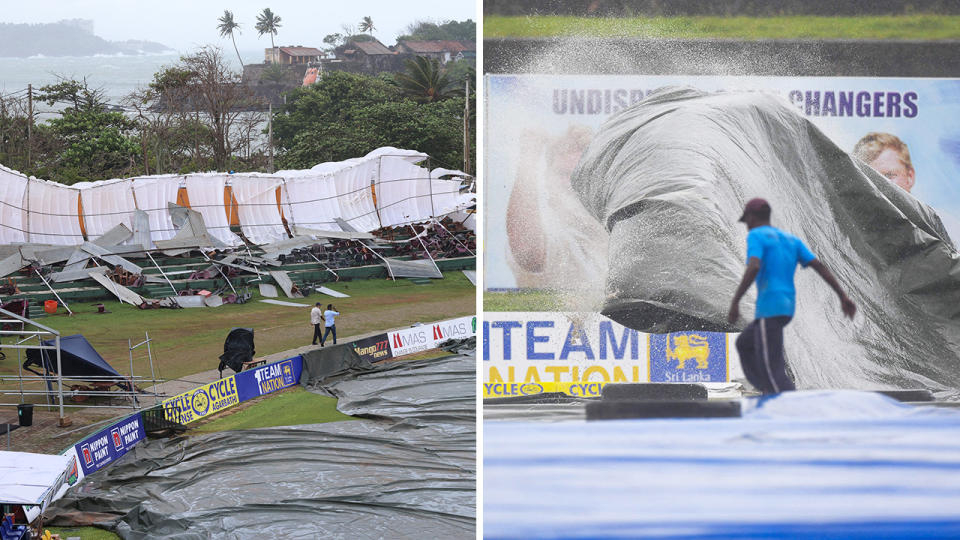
(84, 533)
(187, 341)
(291, 407)
(521, 301)
(901, 27)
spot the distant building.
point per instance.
(306, 65)
(442, 50)
(292, 55)
(367, 56)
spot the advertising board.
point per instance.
(538, 126)
(263, 380)
(109, 444)
(374, 348)
(527, 353)
(427, 336)
(202, 401)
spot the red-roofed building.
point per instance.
(442, 50)
(372, 56)
(292, 55)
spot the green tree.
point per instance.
(347, 115)
(93, 142)
(333, 40)
(452, 30)
(424, 80)
(366, 25)
(227, 27)
(268, 23)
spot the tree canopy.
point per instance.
(452, 30)
(347, 115)
(425, 81)
(227, 27)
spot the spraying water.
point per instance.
(668, 178)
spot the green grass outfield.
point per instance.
(84, 533)
(522, 301)
(291, 407)
(187, 341)
(906, 27)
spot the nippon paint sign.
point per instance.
(526, 353)
(108, 444)
(428, 336)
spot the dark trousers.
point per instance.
(316, 334)
(330, 329)
(761, 354)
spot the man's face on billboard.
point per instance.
(889, 164)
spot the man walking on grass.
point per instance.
(330, 320)
(772, 258)
(316, 319)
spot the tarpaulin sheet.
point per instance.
(813, 464)
(671, 202)
(407, 473)
(77, 357)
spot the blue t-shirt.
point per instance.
(329, 315)
(779, 252)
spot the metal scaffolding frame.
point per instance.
(55, 397)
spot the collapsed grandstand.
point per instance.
(157, 240)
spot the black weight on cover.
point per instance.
(619, 410)
(914, 394)
(654, 392)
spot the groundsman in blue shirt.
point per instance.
(772, 259)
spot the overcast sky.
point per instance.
(185, 24)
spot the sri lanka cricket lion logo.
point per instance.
(688, 347)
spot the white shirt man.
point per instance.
(330, 322)
(316, 319)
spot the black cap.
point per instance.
(755, 206)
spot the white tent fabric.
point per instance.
(153, 193)
(355, 195)
(205, 192)
(397, 194)
(312, 200)
(387, 187)
(257, 207)
(32, 479)
(52, 215)
(106, 204)
(13, 186)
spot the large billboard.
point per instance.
(538, 234)
(527, 353)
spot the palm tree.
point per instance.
(366, 25)
(424, 81)
(227, 26)
(267, 23)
